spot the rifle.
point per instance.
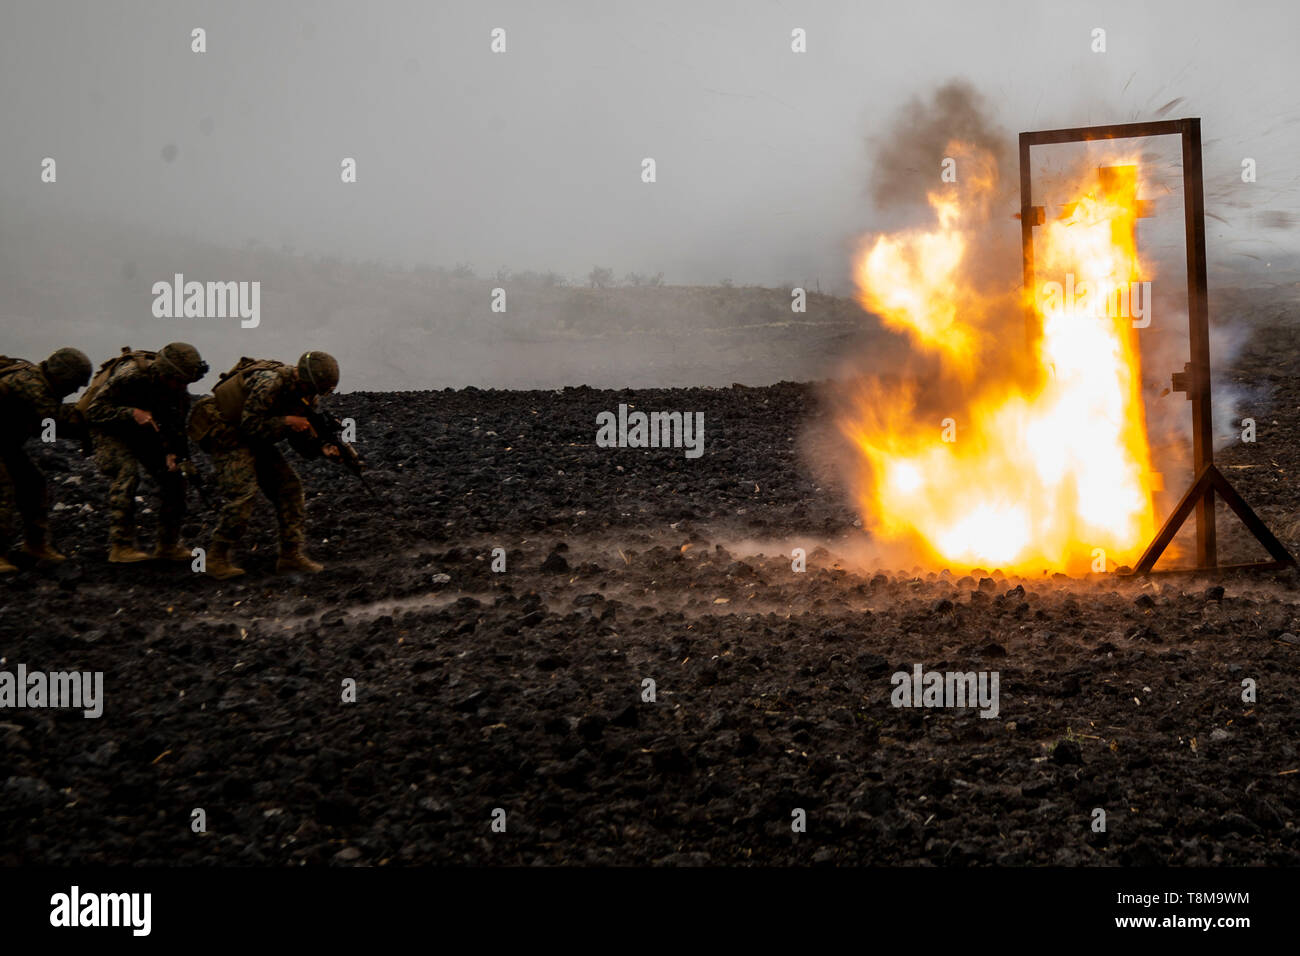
(172, 440)
(79, 429)
(326, 429)
(190, 472)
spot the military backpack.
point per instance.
(231, 391)
(8, 364)
(140, 357)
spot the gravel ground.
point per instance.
(524, 690)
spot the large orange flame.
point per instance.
(1029, 452)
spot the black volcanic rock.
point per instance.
(381, 711)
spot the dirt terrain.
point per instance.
(522, 690)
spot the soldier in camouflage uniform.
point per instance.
(260, 409)
(138, 420)
(29, 395)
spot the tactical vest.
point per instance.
(141, 358)
(231, 390)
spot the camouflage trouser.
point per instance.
(240, 470)
(121, 466)
(23, 497)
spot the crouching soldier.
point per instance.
(137, 407)
(31, 397)
(255, 405)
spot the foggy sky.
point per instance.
(531, 159)
(225, 166)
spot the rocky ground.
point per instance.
(523, 690)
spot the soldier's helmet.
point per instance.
(318, 371)
(67, 370)
(181, 360)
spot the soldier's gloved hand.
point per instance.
(143, 418)
(171, 462)
(299, 424)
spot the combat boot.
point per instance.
(220, 565)
(292, 560)
(7, 566)
(43, 552)
(121, 553)
(173, 551)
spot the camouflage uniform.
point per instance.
(27, 399)
(245, 457)
(123, 447)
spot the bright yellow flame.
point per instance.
(1045, 467)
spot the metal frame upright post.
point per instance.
(1195, 377)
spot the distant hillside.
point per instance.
(90, 286)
